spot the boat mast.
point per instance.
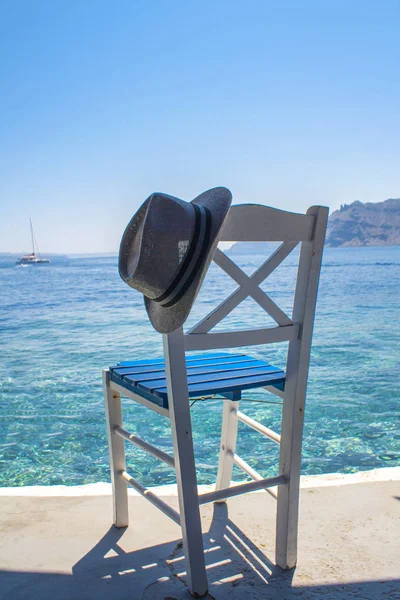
(33, 239)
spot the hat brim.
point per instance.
(167, 320)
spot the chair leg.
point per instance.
(179, 412)
(287, 523)
(116, 446)
(288, 495)
(228, 444)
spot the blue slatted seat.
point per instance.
(218, 373)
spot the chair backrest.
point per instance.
(258, 223)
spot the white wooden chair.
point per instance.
(165, 387)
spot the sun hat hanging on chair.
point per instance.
(166, 250)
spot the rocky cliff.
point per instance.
(369, 224)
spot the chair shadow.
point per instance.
(231, 558)
(237, 569)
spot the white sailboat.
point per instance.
(34, 258)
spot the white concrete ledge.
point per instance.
(104, 489)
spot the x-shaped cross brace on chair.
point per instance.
(249, 286)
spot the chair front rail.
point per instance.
(155, 500)
(149, 448)
(273, 390)
(242, 488)
(238, 339)
(128, 394)
(269, 433)
(242, 464)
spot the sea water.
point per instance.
(60, 324)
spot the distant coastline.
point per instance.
(369, 224)
(354, 225)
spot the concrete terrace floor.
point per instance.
(63, 546)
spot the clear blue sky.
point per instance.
(286, 103)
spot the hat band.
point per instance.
(193, 259)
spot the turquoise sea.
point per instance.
(60, 324)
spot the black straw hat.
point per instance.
(166, 250)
